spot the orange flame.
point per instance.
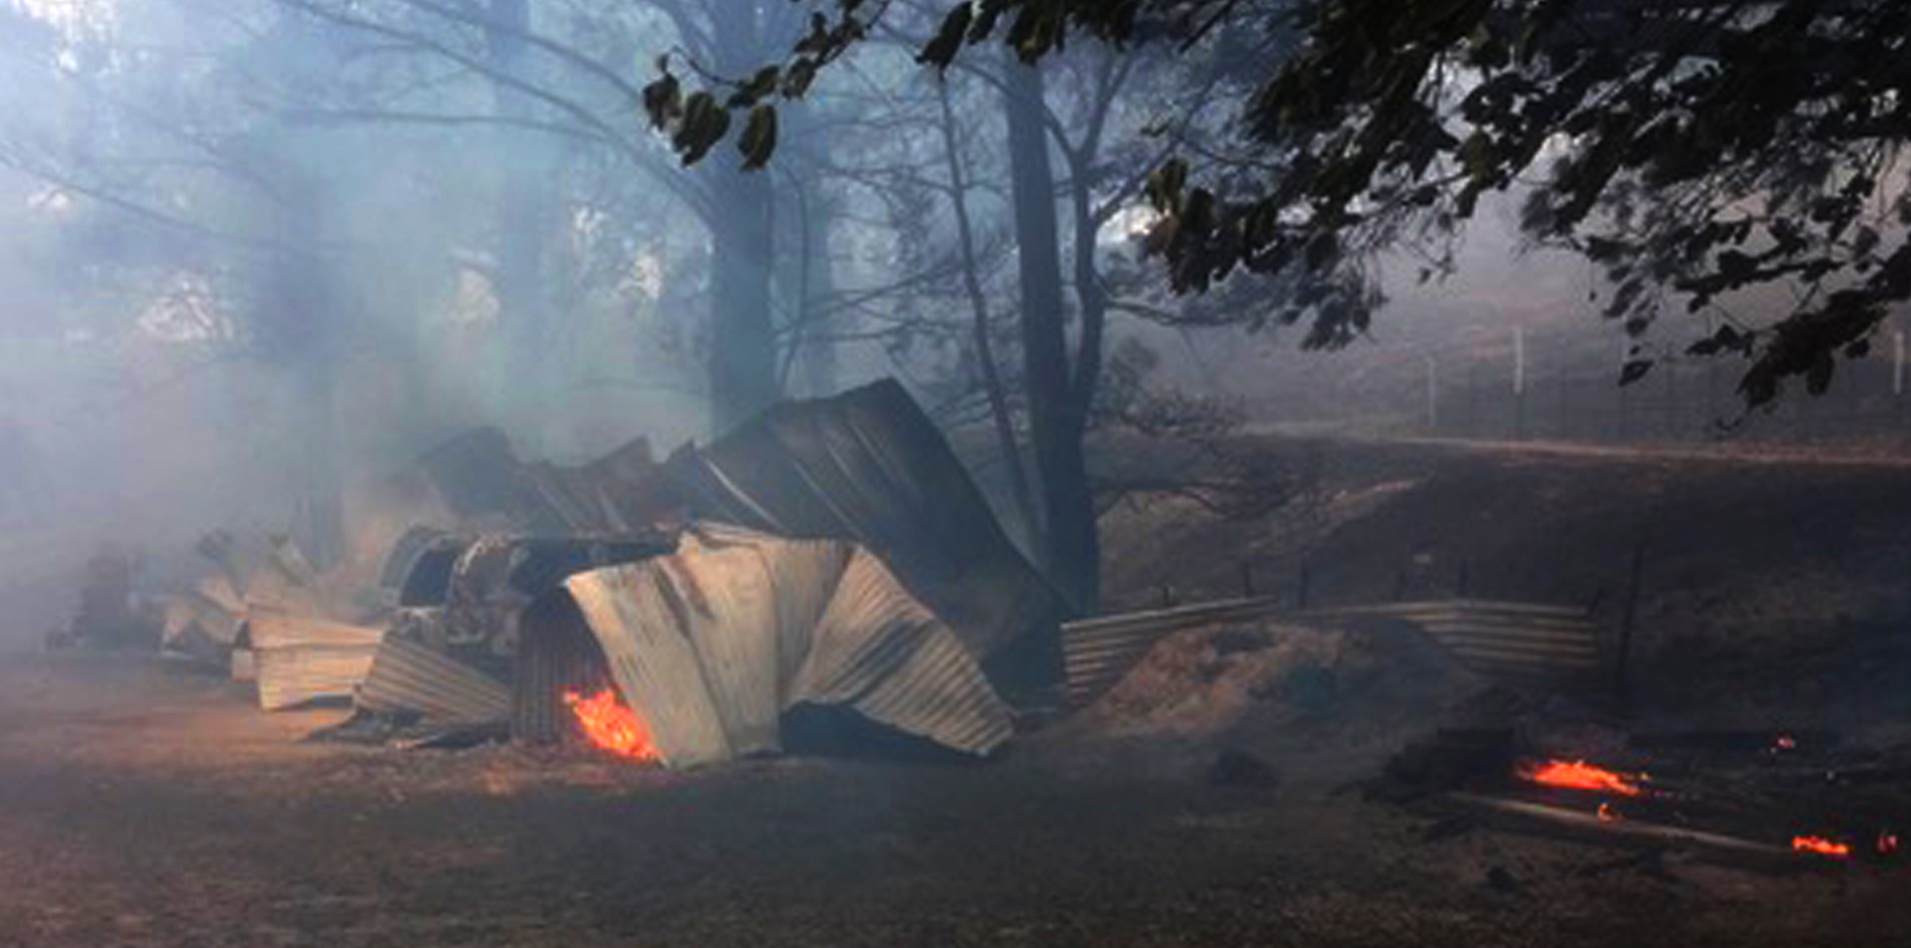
(1607, 813)
(1821, 845)
(1580, 775)
(612, 726)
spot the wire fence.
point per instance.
(1500, 396)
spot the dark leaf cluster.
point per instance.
(1692, 149)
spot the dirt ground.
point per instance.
(1771, 581)
(142, 804)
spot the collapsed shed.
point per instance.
(837, 556)
(869, 466)
(713, 644)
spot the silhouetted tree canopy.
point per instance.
(1690, 148)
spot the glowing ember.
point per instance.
(1580, 775)
(612, 726)
(1821, 845)
(1785, 742)
(1607, 813)
(1887, 842)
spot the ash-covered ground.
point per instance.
(147, 805)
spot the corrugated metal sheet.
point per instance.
(484, 483)
(293, 675)
(556, 654)
(417, 570)
(1509, 640)
(869, 467)
(194, 625)
(1098, 652)
(879, 651)
(244, 666)
(407, 676)
(712, 644)
(484, 583)
(267, 630)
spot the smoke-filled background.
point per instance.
(254, 253)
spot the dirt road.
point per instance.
(142, 805)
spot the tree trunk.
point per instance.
(320, 531)
(1058, 418)
(818, 353)
(1006, 440)
(743, 370)
(302, 324)
(524, 199)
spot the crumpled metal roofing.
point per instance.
(267, 630)
(299, 674)
(485, 484)
(299, 659)
(407, 676)
(868, 466)
(712, 644)
(483, 584)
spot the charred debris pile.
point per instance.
(829, 555)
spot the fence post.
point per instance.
(1565, 407)
(1671, 399)
(1472, 401)
(1623, 401)
(1519, 383)
(1897, 363)
(1623, 660)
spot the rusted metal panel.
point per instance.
(407, 676)
(294, 675)
(712, 644)
(869, 467)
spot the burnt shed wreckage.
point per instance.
(828, 555)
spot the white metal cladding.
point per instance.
(711, 645)
(406, 676)
(298, 674)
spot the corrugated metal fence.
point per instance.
(1517, 641)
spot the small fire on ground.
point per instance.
(1821, 846)
(611, 725)
(1579, 775)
